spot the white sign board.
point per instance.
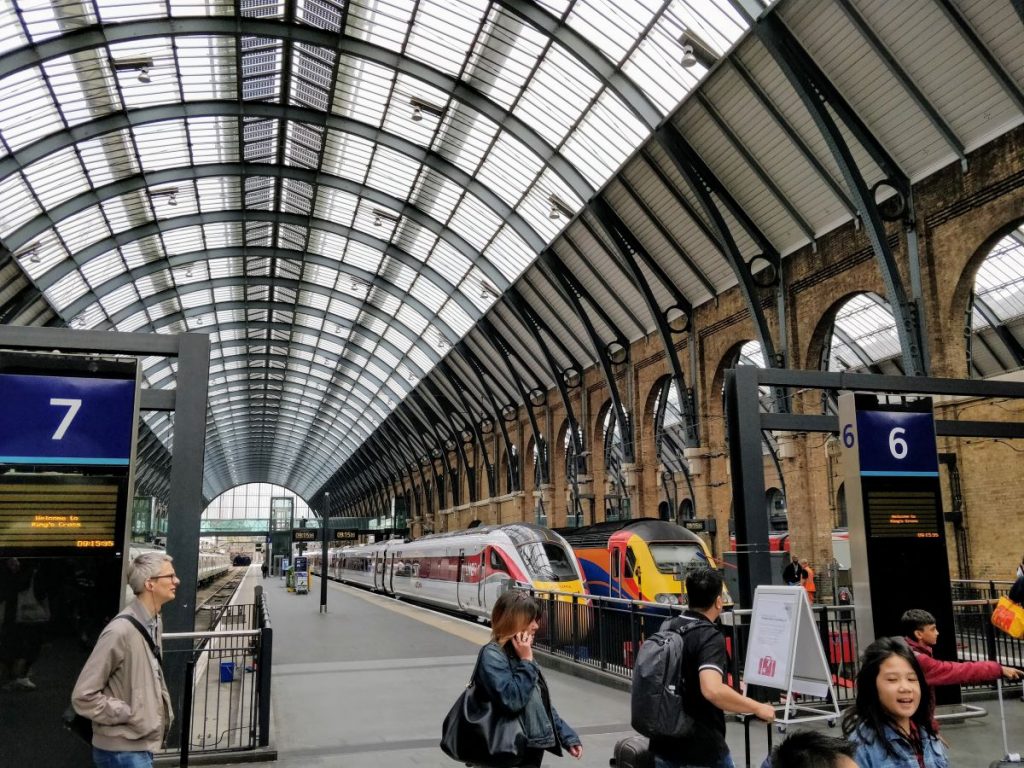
(784, 650)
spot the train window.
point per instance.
(547, 561)
(630, 562)
(498, 562)
(677, 557)
(616, 563)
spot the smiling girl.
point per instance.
(889, 721)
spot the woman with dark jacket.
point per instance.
(508, 676)
(890, 722)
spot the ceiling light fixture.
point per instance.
(688, 58)
(144, 75)
(380, 215)
(559, 208)
(419, 107)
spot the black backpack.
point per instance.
(656, 698)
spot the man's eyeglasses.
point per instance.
(164, 576)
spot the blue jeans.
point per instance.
(661, 762)
(105, 759)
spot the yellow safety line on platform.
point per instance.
(474, 633)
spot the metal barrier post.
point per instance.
(601, 628)
(186, 710)
(634, 634)
(575, 630)
(263, 682)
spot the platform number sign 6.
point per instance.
(72, 405)
(897, 445)
(848, 439)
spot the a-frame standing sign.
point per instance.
(784, 652)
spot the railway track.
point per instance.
(214, 599)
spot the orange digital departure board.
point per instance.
(43, 513)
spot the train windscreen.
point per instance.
(677, 556)
(547, 561)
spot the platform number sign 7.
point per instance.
(72, 405)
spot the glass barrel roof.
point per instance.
(864, 334)
(334, 192)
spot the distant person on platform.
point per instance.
(264, 569)
(1020, 568)
(922, 634)
(792, 574)
(807, 580)
(121, 687)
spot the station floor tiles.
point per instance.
(369, 682)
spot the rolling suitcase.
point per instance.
(746, 737)
(1009, 758)
(632, 752)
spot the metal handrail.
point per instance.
(210, 635)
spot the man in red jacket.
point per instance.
(921, 634)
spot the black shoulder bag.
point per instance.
(477, 733)
(80, 725)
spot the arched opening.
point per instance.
(686, 510)
(578, 504)
(236, 522)
(842, 518)
(616, 498)
(994, 321)
(778, 514)
(670, 442)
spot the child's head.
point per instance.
(811, 749)
(891, 689)
(920, 625)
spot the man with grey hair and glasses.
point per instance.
(121, 688)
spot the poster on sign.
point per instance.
(784, 652)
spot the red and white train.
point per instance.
(462, 571)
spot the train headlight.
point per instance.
(667, 598)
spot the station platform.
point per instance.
(369, 682)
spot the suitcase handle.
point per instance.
(746, 719)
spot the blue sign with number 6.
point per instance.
(896, 443)
(66, 420)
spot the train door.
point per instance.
(495, 580)
(378, 569)
(459, 589)
(391, 573)
(615, 574)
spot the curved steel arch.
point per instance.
(102, 35)
(142, 181)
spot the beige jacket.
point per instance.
(120, 690)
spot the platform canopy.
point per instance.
(400, 221)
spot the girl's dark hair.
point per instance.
(867, 709)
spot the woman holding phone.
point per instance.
(510, 678)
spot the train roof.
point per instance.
(520, 533)
(647, 528)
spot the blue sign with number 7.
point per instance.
(66, 420)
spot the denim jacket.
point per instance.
(520, 688)
(871, 753)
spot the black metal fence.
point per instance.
(226, 708)
(605, 633)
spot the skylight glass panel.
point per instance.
(335, 206)
(611, 25)
(142, 251)
(465, 136)
(435, 194)
(78, 89)
(56, 177)
(103, 268)
(162, 145)
(505, 54)
(449, 262)
(382, 22)
(66, 291)
(427, 292)
(557, 95)
(11, 34)
(108, 157)
(362, 256)
(126, 212)
(412, 319)
(509, 253)
(83, 229)
(213, 139)
(475, 222)
(999, 281)
(119, 299)
(420, 358)
(362, 90)
(205, 67)
(196, 298)
(510, 169)
(392, 172)
(606, 137)
(29, 112)
(133, 322)
(869, 324)
(183, 240)
(443, 31)
(456, 317)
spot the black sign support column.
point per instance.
(325, 519)
(897, 534)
